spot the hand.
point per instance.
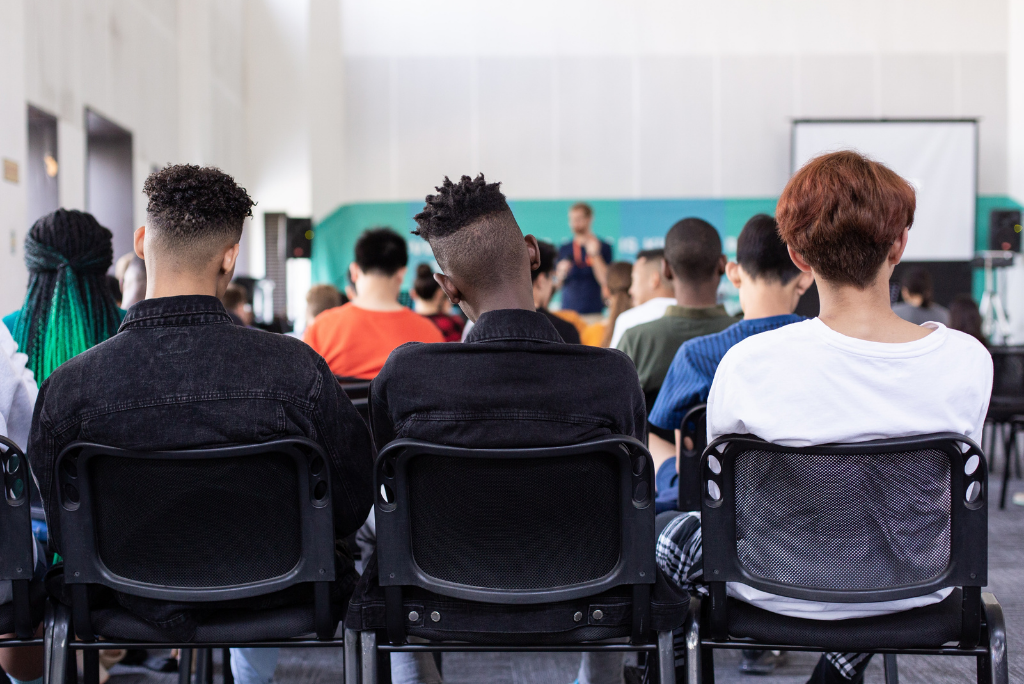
(562, 270)
(593, 245)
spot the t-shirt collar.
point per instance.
(716, 311)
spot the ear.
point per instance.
(798, 260)
(140, 242)
(722, 261)
(449, 288)
(898, 247)
(227, 263)
(804, 282)
(734, 274)
(533, 249)
(354, 272)
(666, 270)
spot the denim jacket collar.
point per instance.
(182, 310)
(513, 324)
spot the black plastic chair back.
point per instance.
(694, 426)
(197, 525)
(847, 523)
(16, 562)
(1007, 382)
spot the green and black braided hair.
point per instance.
(68, 307)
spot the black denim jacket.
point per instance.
(179, 374)
(513, 383)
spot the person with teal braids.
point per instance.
(68, 307)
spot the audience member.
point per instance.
(616, 295)
(357, 337)
(583, 263)
(177, 362)
(322, 297)
(429, 300)
(918, 305)
(68, 307)
(694, 264)
(133, 283)
(769, 286)
(857, 372)
(520, 386)
(236, 304)
(965, 317)
(651, 292)
(544, 288)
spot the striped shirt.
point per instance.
(689, 378)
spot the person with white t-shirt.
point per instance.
(858, 372)
(652, 294)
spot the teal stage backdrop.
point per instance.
(629, 225)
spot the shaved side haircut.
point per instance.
(194, 211)
(693, 250)
(472, 231)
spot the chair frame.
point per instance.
(398, 568)
(16, 559)
(983, 633)
(84, 566)
(694, 426)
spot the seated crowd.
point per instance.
(513, 375)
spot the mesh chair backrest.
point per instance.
(515, 524)
(854, 521)
(197, 522)
(1008, 372)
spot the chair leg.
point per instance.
(694, 673)
(892, 674)
(666, 659)
(229, 676)
(1007, 457)
(204, 666)
(351, 663)
(997, 670)
(91, 666)
(368, 657)
(58, 620)
(184, 666)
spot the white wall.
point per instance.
(13, 146)
(646, 98)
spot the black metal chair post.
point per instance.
(695, 428)
(23, 614)
(474, 537)
(176, 526)
(1006, 409)
(849, 523)
(358, 392)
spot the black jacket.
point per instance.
(512, 383)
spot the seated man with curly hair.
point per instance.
(179, 375)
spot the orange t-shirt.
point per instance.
(356, 342)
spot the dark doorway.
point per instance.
(108, 179)
(41, 169)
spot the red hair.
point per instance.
(841, 212)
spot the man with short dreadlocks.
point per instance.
(519, 384)
(179, 375)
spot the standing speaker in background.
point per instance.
(1004, 230)
(300, 238)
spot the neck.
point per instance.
(426, 308)
(177, 284)
(516, 297)
(695, 295)
(766, 300)
(378, 293)
(865, 314)
(663, 293)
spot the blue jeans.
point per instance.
(253, 665)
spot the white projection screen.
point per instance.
(939, 158)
